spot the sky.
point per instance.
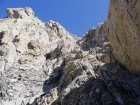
(76, 16)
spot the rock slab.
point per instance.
(124, 32)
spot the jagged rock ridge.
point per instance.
(24, 45)
(43, 64)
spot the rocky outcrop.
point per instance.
(110, 88)
(95, 37)
(96, 42)
(16, 13)
(43, 64)
(123, 32)
(25, 42)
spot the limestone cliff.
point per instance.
(43, 64)
(124, 32)
(25, 43)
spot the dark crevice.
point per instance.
(1, 36)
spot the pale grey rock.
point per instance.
(29, 11)
(24, 43)
(43, 64)
(94, 37)
(15, 13)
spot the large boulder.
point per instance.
(124, 32)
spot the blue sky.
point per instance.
(77, 16)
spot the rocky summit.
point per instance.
(43, 64)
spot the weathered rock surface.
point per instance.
(124, 32)
(24, 43)
(43, 64)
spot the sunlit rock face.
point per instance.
(24, 43)
(43, 64)
(124, 32)
(16, 13)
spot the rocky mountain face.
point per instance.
(124, 32)
(43, 64)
